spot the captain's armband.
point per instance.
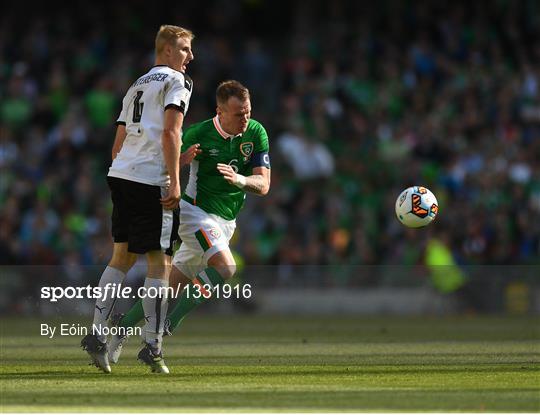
(261, 159)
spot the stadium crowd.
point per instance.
(359, 102)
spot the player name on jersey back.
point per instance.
(159, 77)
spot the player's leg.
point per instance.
(204, 257)
(220, 267)
(167, 239)
(177, 280)
(95, 343)
(154, 234)
(154, 303)
(122, 260)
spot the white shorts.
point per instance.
(203, 234)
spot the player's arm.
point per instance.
(258, 182)
(190, 148)
(171, 142)
(189, 154)
(118, 140)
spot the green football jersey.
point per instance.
(206, 186)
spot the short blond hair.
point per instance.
(167, 34)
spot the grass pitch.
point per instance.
(286, 364)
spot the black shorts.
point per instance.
(139, 219)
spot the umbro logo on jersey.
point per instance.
(213, 152)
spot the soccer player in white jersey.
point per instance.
(145, 189)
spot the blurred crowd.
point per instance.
(360, 101)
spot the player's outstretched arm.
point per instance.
(258, 183)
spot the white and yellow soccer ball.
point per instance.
(416, 207)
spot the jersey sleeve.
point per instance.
(179, 94)
(260, 157)
(122, 118)
(261, 143)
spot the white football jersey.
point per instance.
(143, 111)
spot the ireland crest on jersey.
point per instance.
(246, 149)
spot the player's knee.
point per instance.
(178, 280)
(122, 259)
(224, 264)
(123, 264)
(227, 271)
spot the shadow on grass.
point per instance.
(174, 398)
(266, 371)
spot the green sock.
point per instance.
(133, 316)
(188, 301)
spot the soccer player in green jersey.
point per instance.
(228, 157)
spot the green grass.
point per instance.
(257, 364)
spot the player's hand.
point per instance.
(171, 201)
(187, 156)
(227, 171)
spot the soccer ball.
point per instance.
(416, 207)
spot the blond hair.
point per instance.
(231, 88)
(167, 34)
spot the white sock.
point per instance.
(105, 305)
(155, 311)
